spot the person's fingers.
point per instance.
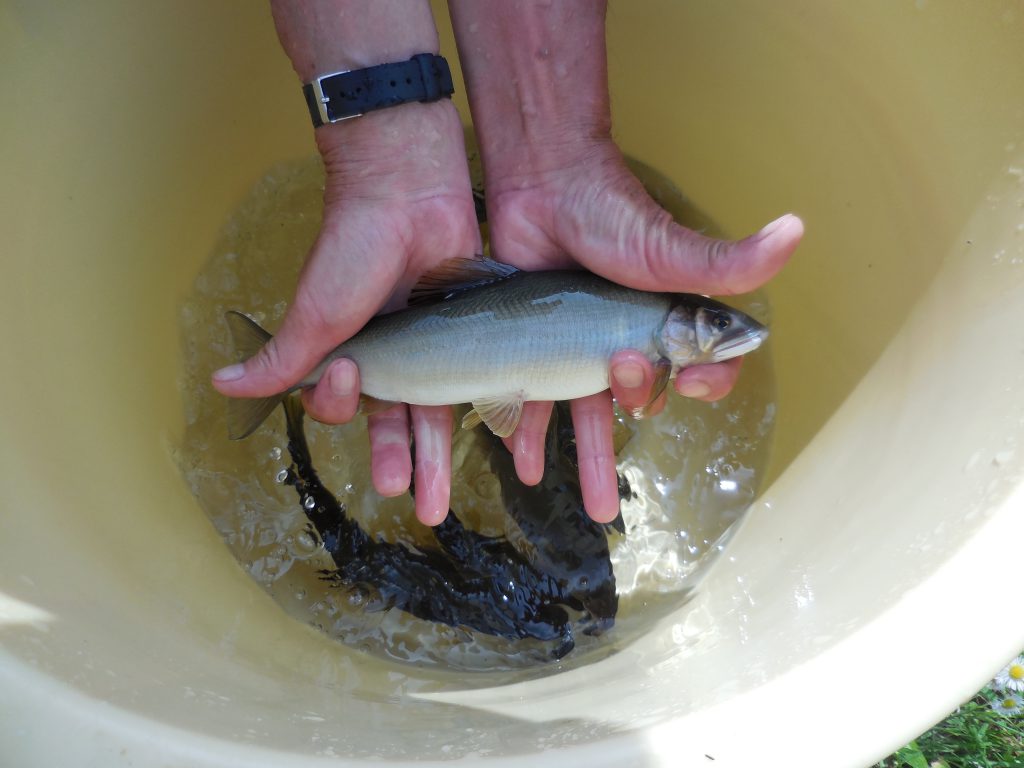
(527, 442)
(390, 459)
(592, 420)
(708, 382)
(631, 378)
(337, 293)
(335, 399)
(432, 431)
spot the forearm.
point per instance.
(537, 79)
(386, 153)
(322, 36)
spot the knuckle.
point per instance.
(656, 235)
(717, 261)
(312, 317)
(270, 364)
(328, 409)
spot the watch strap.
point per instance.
(342, 95)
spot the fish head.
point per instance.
(702, 330)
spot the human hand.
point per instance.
(559, 194)
(382, 231)
(397, 202)
(596, 210)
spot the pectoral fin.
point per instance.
(500, 414)
(662, 375)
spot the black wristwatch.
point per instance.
(344, 95)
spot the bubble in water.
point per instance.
(349, 487)
(304, 544)
(309, 502)
(281, 476)
(268, 569)
(275, 453)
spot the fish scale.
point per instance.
(548, 335)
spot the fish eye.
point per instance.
(721, 321)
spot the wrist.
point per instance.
(407, 152)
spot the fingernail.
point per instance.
(342, 380)
(230, 373)
(606, 513)
(772, 227)
(428, 480)
(629, 375)
(436, 517)
(695, 388)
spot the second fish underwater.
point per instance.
(470, 580)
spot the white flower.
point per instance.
(1008, 704)
(1011, 677)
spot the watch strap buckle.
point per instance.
(343, 95)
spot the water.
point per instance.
(694, 469)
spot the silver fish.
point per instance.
(485, 333)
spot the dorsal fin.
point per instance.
(457, 274)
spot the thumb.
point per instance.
(632, 240)
(283, 361)
(335, 297)
(679, 259)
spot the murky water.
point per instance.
(694, 469)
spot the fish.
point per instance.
(485, 333)
(481, 582)
(563, 541)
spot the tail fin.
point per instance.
(246, 414)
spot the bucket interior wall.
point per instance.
(128, 632)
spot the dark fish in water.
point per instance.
(479, 582)
(564, 542)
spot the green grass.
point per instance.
(974, 736)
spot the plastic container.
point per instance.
(874, 585)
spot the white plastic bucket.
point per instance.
(874, 585)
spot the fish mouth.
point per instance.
(741, 344)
